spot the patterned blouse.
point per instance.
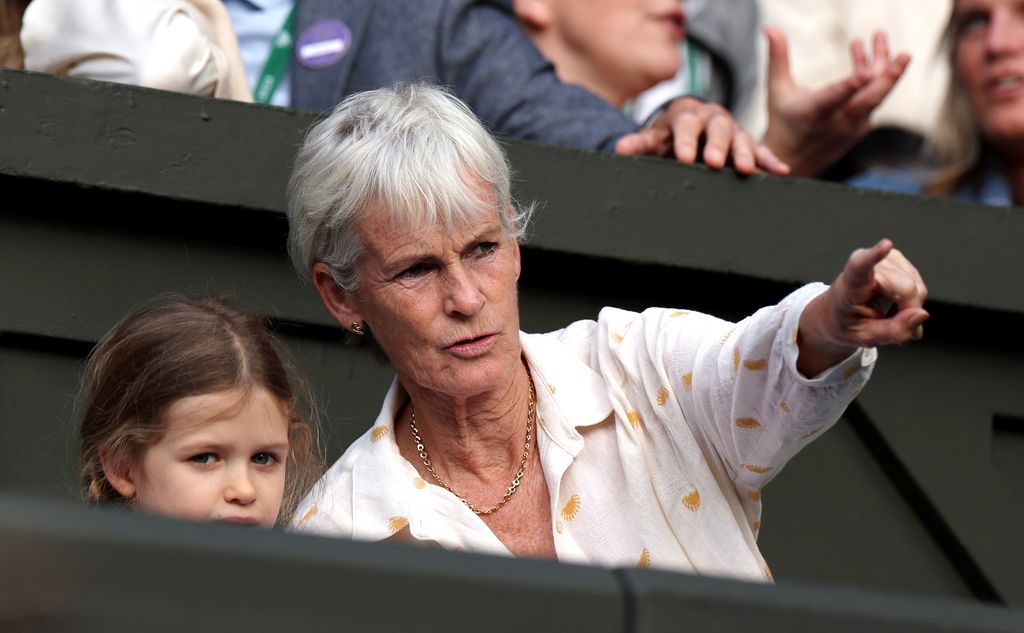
(657, 432)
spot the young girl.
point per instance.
(190, 411)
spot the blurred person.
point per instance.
(819, 34)
(634, 439)
(619, 48)
(717, 58)
(478, 49)
(979, 146)
(983, 148)
(181, 45)
(265, 32)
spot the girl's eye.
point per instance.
(203, 458)
(264, 459)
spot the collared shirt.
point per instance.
(657, 432)
(256, 23)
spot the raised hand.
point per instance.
(812, 129)
(677, 133)
(876, 300)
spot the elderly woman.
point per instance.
(637, 438)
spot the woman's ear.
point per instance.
(119, 474)
(518, 258)
(339, 303)
(534, 15)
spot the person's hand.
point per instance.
(812, 129)
(876, 300)
(679, 130)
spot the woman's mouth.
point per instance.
(673, 22)
(473, 347)
(1005, 86)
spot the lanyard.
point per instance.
(277, 62)
(694, 81)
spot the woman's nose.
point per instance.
(239, 487)
(463, 296)
(1005, 31)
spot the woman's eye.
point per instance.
(413, 272)
(971, 22)
(487, 248)
(203, 458)
(264, 459)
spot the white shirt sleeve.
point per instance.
(731, 391)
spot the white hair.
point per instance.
(412, 151)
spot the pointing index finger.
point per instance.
(863, 261)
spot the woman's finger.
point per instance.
(858, 54)
(878, 88)
(899, 281)
(718, 139)
(903, 327)
(743, 153)
(859, 270)
(880, 50)
(646, 142)
(768, 161)
(778, 58)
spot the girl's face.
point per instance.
(222, 458)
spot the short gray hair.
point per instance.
(412, 151)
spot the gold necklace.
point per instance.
(515, 480)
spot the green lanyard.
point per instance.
(694, 81)
(277, 62)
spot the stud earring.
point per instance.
(357, 328)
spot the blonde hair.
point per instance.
(958, 144)
(176, 347)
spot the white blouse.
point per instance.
(657, 433)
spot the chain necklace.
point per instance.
(515, 480)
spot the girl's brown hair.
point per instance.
(176, 347)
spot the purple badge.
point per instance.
(323, 44)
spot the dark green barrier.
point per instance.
(66, 567)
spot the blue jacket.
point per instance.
(476, 47)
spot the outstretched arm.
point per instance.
(876, 300)
(812, 129)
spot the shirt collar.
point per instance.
(570, 394)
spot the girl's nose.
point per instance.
(239, 487)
